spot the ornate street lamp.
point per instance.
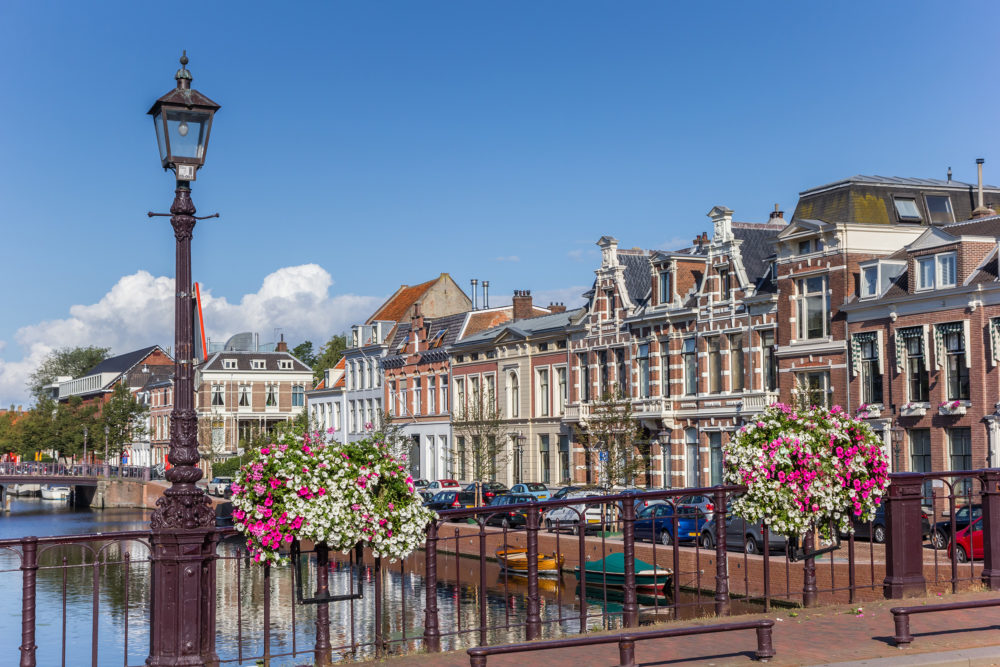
(182, 614)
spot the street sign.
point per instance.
(603, 456)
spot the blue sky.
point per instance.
(363, 145)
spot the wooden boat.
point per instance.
(55, 492)
(610, 572)
(515, 560)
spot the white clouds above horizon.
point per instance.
(139, 309)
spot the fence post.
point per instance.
(991, 528)
(432, 634)
(534, 618)
(904, 553)
(721, 560)
(321, 648)
(29, 567)
(809, 591)
(630, 609)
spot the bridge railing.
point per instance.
(35, 469)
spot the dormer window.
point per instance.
(257, 364)
(869, 281)
(229, 364)
(805, 247)
(939, 209)
(665, 287)
(906, 209)
(937, 271)
(725, 285)
(285, 364)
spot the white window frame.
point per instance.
(801, 308)
(271, 392)
(245, 391)
(229, 364)
(431, 395)
(258, 365)
(562, 380)
(865, 294)
(285, 364)
(219, 390)
(542, 382)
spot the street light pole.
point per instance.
(84, 445)
(182, 614)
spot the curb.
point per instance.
(972, 657)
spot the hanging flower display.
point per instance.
(306, 487)
(807, 468)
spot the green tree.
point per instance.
(328, 357)
(480, 424)
(10, 436)
(304, 353)
(612, 430)
(36, 429)
(69, 361)
(68, 422)
(123, 417)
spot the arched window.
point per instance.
(513, 395)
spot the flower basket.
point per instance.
(869, 411)
(805, 470)
(339, 496)
(951, 409)
(913, 410)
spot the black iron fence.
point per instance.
(495, 575)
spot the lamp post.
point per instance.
(182, 614)
(107, 432)
(520, 456)
(84, 445)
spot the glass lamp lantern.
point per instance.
(183, 122)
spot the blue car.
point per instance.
(539, 491)
(656, 523)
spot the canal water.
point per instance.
(120, 610)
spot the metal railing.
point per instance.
(82, 470)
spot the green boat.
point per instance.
(610, 572)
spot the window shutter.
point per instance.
(938, 346)
(995, 340)
(967, 343)
(900, 348)
(856, 354)
(881, 351)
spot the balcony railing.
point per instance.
(758, 401)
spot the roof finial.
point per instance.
(183, 76)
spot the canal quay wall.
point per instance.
(132, 494)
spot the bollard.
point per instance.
(432, 633)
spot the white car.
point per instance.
(219, 485)
(568, 517)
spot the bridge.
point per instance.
(84, 474)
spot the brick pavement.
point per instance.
(809, 637)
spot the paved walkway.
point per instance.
(824, 635)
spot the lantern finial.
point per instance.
(183, 76)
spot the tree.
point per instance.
(328, 357)
(10, 432)
(68, 422)
(392, 435)
(614, 433)
(304, 353)
(67, 361)
(481, 426)
(36, 430)
(123, 417)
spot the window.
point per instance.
(622, 371)
(960, 440)
(936, 271)
(725, 286)
(564, 458)
(285, 364)
(644, 371)
(736, 371)
(298, 396)
(665, 450)
(561, 395)
(543, 392)
(460, 447)
(939, 209)
(490, 396)
(371, 373)
(871, 371)
(584, 377)
(475, 395)
(513, 395)
(664, 369)
(714, 366)
(814, 308)
(369, 414)
(693, 457)
(916, 364)
(353, 417)
(459, 408)
(920, 457)
(244, 396)
(431, 395)
(257, 364)
(543, 453)
(218, 395)
(444, 393)
(229, 364)
(392, 397)
(271, 396)
(336, 416)
(770, 360)
(906, 209)
(805, 247)
(418, 386)
(690, 355)
(869, 281)
(813, 389)
(602, 367)
(958, 371)
(665, 287)
(715, 448)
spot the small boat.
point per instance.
(55, 493)
(610, 571)
(515, 560)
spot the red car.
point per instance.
(968, 542)
(440, 484)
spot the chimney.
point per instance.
(777, 215)
(282, 346)
(949, 174)
(416, 324)
(981, 211)
(557, 307)
(522, 304)
(475, 283)
(486, 294)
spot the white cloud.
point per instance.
(139, 311)
(508, 258)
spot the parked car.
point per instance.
(742, 535)
(451, 500)
(420, 483)
(509, 518)
(968, 543)
(439, 484)
(655, 522)
(704, 504)
(566, 490)
(594, 513)
(426, 495)
(219, 486)
(876, 529)
(539, 491)
(489, 490)
(964, 515)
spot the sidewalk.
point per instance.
(822, 635)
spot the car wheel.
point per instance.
(960, 554)
(665, 538)
(751, 546)
(706, 541)
(938, 541)
(878, 534)
(505, 523)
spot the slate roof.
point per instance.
(527, 327)
(638, 280)
(978, 227)
(988, 273)
(122, 362)
(758, 245)
(243, 359)
(900, 181)
(397, 305)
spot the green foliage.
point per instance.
(484, 433)
(68, 424)
(304, 353)
(122, 416)
(10, 437)
(613, 430)
(328, 357)
(231, 466)
(71, 361)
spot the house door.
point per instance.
(415, 456)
